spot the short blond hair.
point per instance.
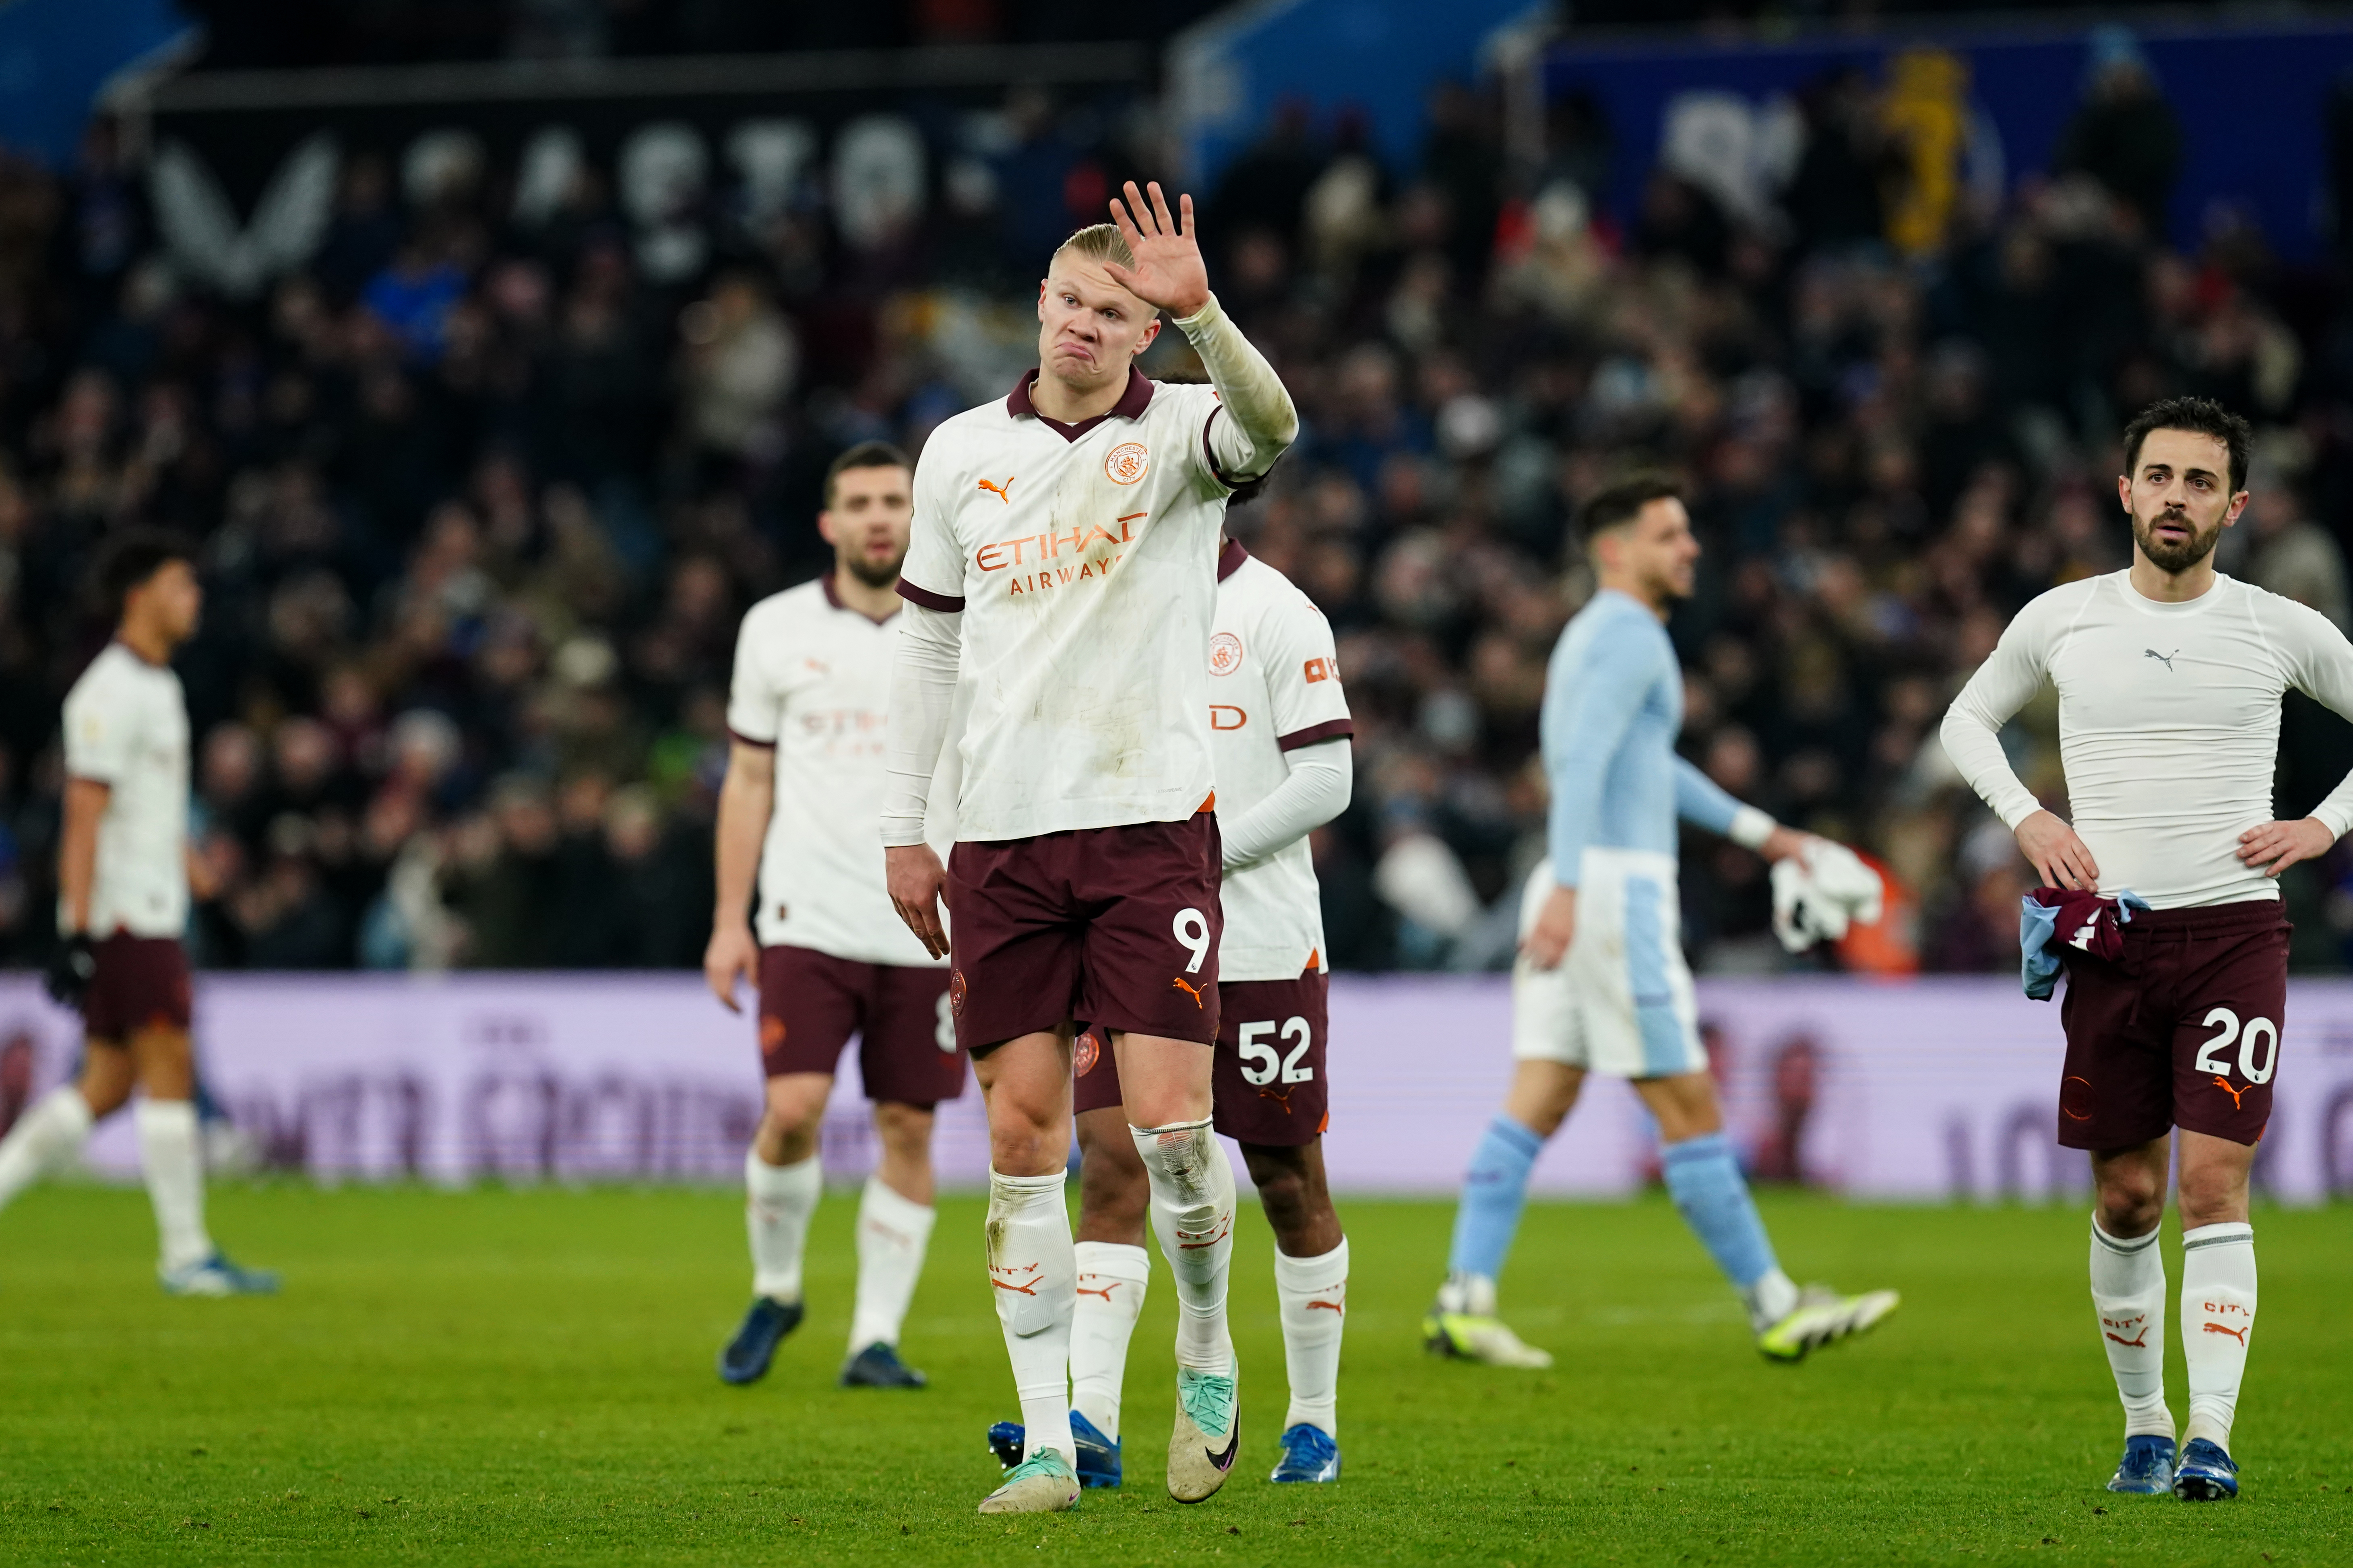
(1100, 242)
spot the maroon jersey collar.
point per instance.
(1131, 405)
(1230, 559)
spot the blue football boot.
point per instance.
(1098, 1455)
(2146, 1469)
(879, 1366)
(745, 1357)
(1309, 1454)
(2206, 1474)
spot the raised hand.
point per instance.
(1168, 274)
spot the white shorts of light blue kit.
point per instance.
(1621, 1003)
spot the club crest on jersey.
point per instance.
(1127, 462)
(1225, 654)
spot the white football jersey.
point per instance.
(813, 680)
(126, 726)
(1274, 687)
(1083, 558)
(2169, 726)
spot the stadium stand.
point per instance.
(484, 486)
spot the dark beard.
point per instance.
(2175, 558)
(876, 573)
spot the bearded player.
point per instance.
(123, 877)
(829, 956)
(1600, 984)
(1063, 568)
(1279, 729)
(2170, 678)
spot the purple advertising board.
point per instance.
(1927, 1090)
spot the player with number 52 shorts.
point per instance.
(2161, 901)
(1063, 575)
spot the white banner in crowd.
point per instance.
(1924, 1089)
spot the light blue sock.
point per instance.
(1493, 1191)
(1705, 1177)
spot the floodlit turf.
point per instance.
(495, 1376)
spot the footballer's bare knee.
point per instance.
(904, 1130)
(2214, 1176)
(1542, 1095)
(905, 1133)
(1165, 1082)
(789, 1116)
(1293, 1194)
(1683, 1104)
(106, 1079)
(165, 1063)
(2131, 1189)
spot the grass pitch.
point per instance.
(503, 1376)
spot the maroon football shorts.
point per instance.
(1118, 926)
(811, 1002)
(1267, 1078)
(140, 982)
(2183, 1030)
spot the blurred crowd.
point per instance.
(485, 482)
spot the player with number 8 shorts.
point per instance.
(1062, 577)
(2161, 903)
(798, 807)
(1280, 727)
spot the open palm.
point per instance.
(1168, 274)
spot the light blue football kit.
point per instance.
(1621, 1002)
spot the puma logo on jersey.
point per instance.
(2164, 658)
(2238, 1334)
(2234, 1093)
(1183, 986)
(1003, 492)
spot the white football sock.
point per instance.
(47, 1135)
(2128, 1292)
(1472, 1295)
(1773, 1297)
(2218, 1318)
(778, 1202)
(1112, 1278)
(892, 1233)
(1312, 1293)
(175, 1178)
(1034, 1274)
(1193, 1215)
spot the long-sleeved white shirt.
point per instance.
(2169, 726)
(1068, 576)
(1279, 730)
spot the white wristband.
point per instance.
(1750, 827)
